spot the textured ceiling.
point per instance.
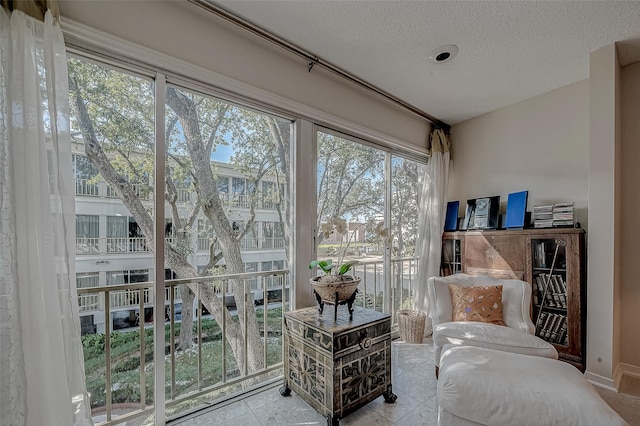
(508, 50)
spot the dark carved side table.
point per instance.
(337, 365)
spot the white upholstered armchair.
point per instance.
(518, 334)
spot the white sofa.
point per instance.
(480, 386)
(516, 337)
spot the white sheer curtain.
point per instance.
(431, 217)
(41, 363)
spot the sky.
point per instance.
(222, 153)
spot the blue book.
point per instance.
(451, 220)
(516, 209)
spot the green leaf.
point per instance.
(344, 268)
(325, 265)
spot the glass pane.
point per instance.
(113, 144)
(229, 154)
(405, 193)
(351, 187)
(87, 279)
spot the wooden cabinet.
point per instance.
(337, 366)
(452, 250)
(551, 260)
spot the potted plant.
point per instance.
(334, 286)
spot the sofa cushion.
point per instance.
(500, 388)
(491, 336)
(479, 303)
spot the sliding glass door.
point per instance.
(375, 191)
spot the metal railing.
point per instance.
(196, 375)
(371, 291)
(119, 365)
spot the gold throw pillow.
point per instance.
(479, 303)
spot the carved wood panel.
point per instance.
(501, 256)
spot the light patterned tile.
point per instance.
(412, 379)
(425, 414)
(418, 386)
(268, 397)
(245, 419)
(398, 409)
(224, 415)
(365, 416)
(291, 410)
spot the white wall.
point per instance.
(577, 143)
(630, 246)
(540, 145)
(187, 32)
(604, 210)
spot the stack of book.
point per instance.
(563, 214)
(543, 216)
(553, 328)
(554, 289)
(553, 215)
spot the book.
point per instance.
(542, 318)
(562, 336)
(562, 214)
(561, 287)
(555, 331)
(549, 326)
(543, 216)
(558, 292)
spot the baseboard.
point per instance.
(600, 381)
(622, 370)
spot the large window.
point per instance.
(112, 129)
(405, 202)
(222, 194)
(207, 139)
(372, 190)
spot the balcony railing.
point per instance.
(91, 188)
(87, 245)
(247, 244)
(121, 382)
(126, 245)
(119, 367)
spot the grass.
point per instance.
(125, 361)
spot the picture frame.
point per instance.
(482, 213)
(516, 210)
(451, 219)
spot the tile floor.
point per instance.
(413, 380)
(414, 383)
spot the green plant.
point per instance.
(340, 226)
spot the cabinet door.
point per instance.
(557, 293)
(501, 256)
(451, 262)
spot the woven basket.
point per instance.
(411, 324)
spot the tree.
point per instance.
(404, 205)
(350, 180)
(114, 113)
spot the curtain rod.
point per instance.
(312, 59)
